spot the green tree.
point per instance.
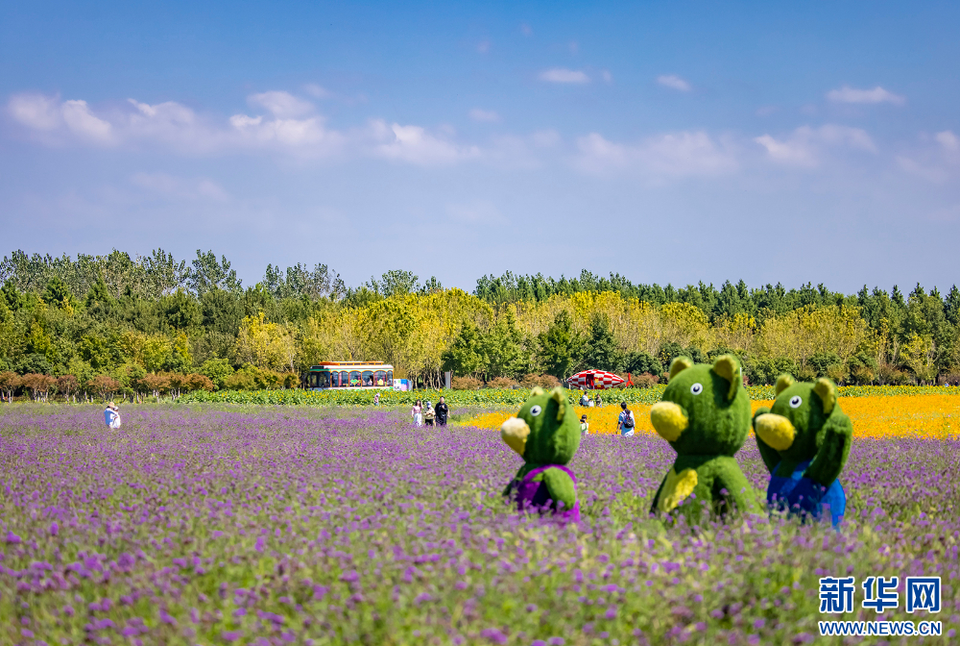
(395, 282)
(180, 311)
(560, 347)
(56, 293)
(466, 356)
(504, 348)
(207, 273)
(217, 370)
(602, 352)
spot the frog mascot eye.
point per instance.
(795, 401)
(696, 389)
(535, 411)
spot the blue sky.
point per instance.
(668, 142)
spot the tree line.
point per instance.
(145, 326)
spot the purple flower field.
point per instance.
(266, 526)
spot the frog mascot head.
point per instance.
(705, 416)
(546, 434)
(804, 440)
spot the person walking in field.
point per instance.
(599, 400)
(417, 412)
(442, 411)
(111, 415)
(429, 415)
(376, 399)
(626, 421)
(584, 426)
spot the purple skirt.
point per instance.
(535, 495)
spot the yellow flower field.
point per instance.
(926, 416)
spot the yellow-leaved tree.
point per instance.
(265, 344)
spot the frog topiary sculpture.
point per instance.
(705, 416)
(804, 440)
(546, 434)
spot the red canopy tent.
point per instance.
(594, 380)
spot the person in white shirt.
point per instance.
(417, 412)
(111, 415)
(626, 421)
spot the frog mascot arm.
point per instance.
(546, 434)
(769, 454)
(812, 438)
(705, 416)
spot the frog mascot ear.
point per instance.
(827, 392)
(537, 390)
(783, 382)
(678, 365)
(728, 367)
(557, 395)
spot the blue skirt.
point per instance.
(802, 496)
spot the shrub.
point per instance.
(240, 381)
(502, 382)
(544, 381)
(9, 382)
(103, 385)
(862, 375)
(465, 383)
(67, 385)
(646, 380)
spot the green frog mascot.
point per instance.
(546, 434)
(705, 416)
(804, 440)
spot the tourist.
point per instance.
(584, 399)
(599, 401)
(376, 399)
(417, 412)
(429, 415)
(111, 415)
(626, 421)
(584, 427)
(442, 411)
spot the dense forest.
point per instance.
(116, 323)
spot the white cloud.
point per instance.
(669, 155)
(478, 114)
(36, 111)
(172, 187)
(674, 82)
(289, 133)
(48, 114)
(84, 124)
(932, 172)
(282, 105)
(806, 145)
(848, 94)
(948, 140)
(937, 163)
(317, 91)
(415, 145)
(561, 75)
